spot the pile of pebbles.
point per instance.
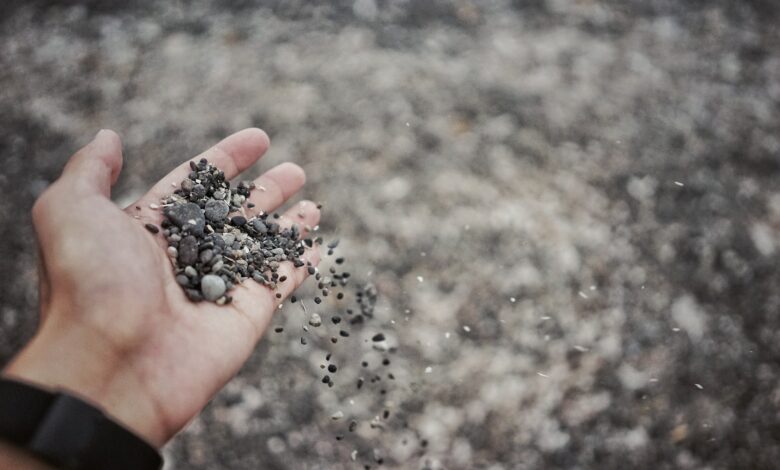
(215, 245)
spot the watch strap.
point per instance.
(69, 432)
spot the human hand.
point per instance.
(115, 327)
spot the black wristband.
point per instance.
(69, 432)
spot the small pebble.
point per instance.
(152, 228)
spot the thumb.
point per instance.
(95, 168)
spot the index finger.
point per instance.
(233, 154)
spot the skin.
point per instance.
(115, 327)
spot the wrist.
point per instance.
(73, 358)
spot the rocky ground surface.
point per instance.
(570, 209)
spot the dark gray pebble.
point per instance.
(198, 191)
(260, 226)
(152, 228)
(206, 256)
(187, 216)
(188, 250)
(216, 210)
(193, 295)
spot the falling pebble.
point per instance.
(353, 455)
(420, 279)
(583, 295)
(512, 299)
(337, 415)
(447, 335)
(542, 375)
(679, 184)
(698, 386)
(466, 328)
(675, 330)
(428, 370)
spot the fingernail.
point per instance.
(101, 131)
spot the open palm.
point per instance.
(147, 354)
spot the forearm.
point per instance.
(13, 457)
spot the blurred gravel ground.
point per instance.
(613, 166)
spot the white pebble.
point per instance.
(698, 386)
(466, 328)
(337, 415)
(315, 320)
(679, 184)
(153, 206)
(420, 279)
(428, 370)
(512, 299)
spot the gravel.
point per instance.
(228, 248)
